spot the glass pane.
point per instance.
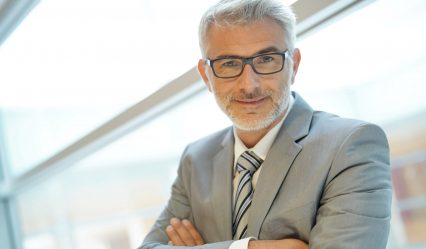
(370, 65)
(72, 65)
(110, 199)
(31, 135)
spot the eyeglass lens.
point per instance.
(262, 64)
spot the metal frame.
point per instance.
(5, 235)
(12, 12)
(313, 14)
(9, 233)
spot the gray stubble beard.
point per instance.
(277, 110)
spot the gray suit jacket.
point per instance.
(326, 180)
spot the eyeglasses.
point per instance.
(233, 66)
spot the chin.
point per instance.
(253, 125)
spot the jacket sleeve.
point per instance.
(178, 206)
(354, 210)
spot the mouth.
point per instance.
(251, 102)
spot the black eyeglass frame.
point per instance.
(248, 60)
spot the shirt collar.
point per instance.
(262, 147)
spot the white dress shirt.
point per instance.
(261, 149)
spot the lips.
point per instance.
(250, 102)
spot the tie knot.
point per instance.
(248, 161)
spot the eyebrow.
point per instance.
(271, 49)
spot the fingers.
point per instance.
(174, 238)
(196, 236)
(183, 233)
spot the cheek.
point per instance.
(278, 84)
(221, 87)
(285, 78)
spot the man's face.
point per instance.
(252, 101)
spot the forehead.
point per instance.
(244, 40)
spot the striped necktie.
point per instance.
(247, 164)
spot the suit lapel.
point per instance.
(272, 175)
(222, 186)
(278, 161)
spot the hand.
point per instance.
(183, 233)
(279, 244)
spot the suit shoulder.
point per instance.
(335, 125)
(333, 131)
(209, 144)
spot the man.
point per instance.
(284, 176)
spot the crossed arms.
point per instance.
(183, 233)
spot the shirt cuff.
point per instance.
(241, 244)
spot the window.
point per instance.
(86, 62)
(72, 65)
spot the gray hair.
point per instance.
(242, 12)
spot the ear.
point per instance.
(202, 71)
(296, 61)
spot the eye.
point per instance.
(230, 63)
(265, 58)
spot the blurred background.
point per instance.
(98, 99)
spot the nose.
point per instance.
(249, 79)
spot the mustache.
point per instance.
(255, 94)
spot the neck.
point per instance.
(251, 138)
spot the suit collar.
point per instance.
(278, 162)
(299, 119)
